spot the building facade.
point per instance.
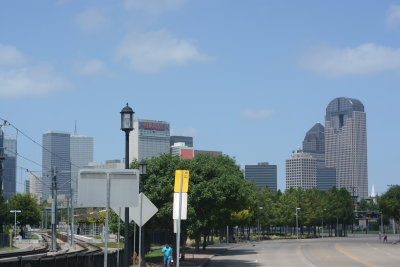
(35, 186)
(262, 174)
(326, 178)
(181, 150)
(81, 153)
(149, 139)
(346, 144)
(56, 153)
(9, 167)
(301, 171)
(188, 140)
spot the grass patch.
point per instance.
(34, 237)
(7, 248)
(154, 256)
(111, 245)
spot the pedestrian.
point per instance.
(167, 252)
(384, 237)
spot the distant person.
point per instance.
(384, 237)
(167, 252)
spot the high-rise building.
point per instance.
(183, 151)
(262, 174)
(9, 167)
(207, 152)
(1, 160)
(314, 143)
(188, 140)
(326, 178)
(35, 186)
(81, 153)
(56, 153)
(346, 144)
(149, 139)
(301, 171)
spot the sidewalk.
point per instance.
(200, 258)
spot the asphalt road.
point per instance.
(344, 252)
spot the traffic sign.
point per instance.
(185, 183)
(148, 211)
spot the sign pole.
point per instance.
(140, 230)
(106, 228)
(178, 234)
(119, 234)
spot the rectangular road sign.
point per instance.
(176, 206)
(185, 183)
(92, 187)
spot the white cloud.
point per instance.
(153, 51)
(153, 6)
(91, 67)
(257, 114)
(393, 16)
(92, 20)
(10, 56)
(184, 132)
(362, 60)
(30, 81)
(18, 79)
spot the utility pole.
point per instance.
(54, 209)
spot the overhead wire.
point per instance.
(5, 122)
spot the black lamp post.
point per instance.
(127, 127)
(142, 172)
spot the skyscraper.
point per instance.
(9, 167)
(56, 153)
(149, 139)
(314, 143)
(188, 140)
(81, 154)
(262, 174)
(346, 144)
(301, 171)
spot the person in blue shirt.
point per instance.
(167, 252)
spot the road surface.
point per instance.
(344, 252)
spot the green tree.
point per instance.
(29, 207)
(216, 189)
(389, 203)
(3, 213)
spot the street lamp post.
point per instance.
(259, 226)
(142, 172)
(127, 127)
(322, 235)
(297, 222)
(15, 220)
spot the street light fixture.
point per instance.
(127, 127)
(142, 172)
(15, 220)
(297, 222)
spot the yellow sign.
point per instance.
(185, 182)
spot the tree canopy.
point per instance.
(29, 207)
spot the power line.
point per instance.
(5, 122)
(25, 158)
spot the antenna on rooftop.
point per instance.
(75, 130)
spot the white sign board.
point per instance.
(183, 208)
(92, 187)
(148, 211)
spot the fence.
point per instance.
(4, 240)
(87, 260)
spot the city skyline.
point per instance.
(248, 79)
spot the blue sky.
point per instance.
(248, 78)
